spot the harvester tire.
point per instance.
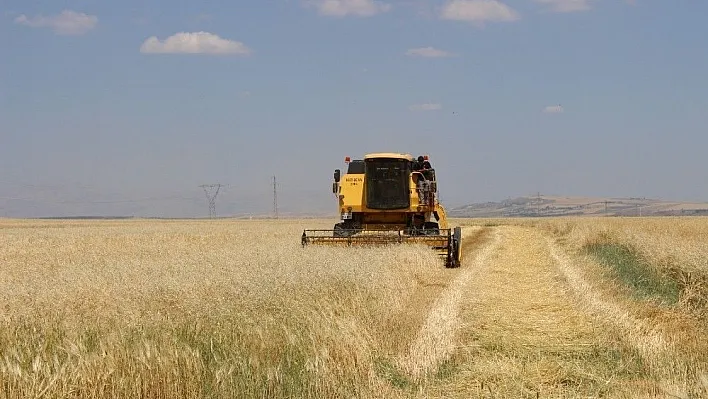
(454, 256)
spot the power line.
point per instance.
(211, 196)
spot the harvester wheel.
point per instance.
(454, 255)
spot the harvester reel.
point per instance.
(447, 242)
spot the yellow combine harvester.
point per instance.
(389, 198)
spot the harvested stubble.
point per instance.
(201, 309)
(675, 248)
(663, 241)
(671, 254)
(665, 253)
(671, 339)
(524, 335)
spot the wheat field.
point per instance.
(237, 308)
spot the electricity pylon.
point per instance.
(211, 197)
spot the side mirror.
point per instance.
(334, 188)
(337, 175)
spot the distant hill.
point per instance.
(528, 206)
(545, 205)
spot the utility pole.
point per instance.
(538, 203)
(605, 207)
(275, 198)
(211, 197)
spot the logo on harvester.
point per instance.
(354, 179)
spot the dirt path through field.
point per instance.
(671, 371)
(520, 332)
(436, 338)
(648, 341)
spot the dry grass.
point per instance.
(94, 309)
(665, 242)
(676, 249)
(435, 342)
(201, 308)
(525, 336)
(670, 340)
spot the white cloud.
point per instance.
(341, 8)
(193, 43)
(425, 107)
(553, 109)
(478, 11)
(427, 52)
(66, 23)
(566, 5)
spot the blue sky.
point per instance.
(125, 108)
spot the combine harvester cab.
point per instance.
(389, 198)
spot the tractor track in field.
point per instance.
(514, 323)
(660, 352)
(646, 339)
(436, 338)
(520, 319)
